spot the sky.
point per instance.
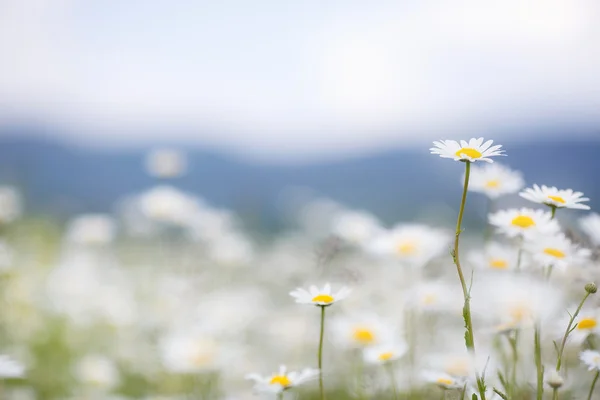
(277, 78)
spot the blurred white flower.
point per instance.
(282, 380)
(590, 224)
(556, 251)
(553, 197)
(385, 352)
(10, 204)
(474, 150)
(10, 368)
(166, 163)
(168, 205)
(587, 323)
(355, 227)
(191, 351)
(232, 249)
(91, 229)
(524, 222)
(97, 371)
(591, 359)
(494, 180)
(495, 257)
(6, 256)
(319, 297)
(443, 380)
(434, 297)
(361, 330)
(411, 244)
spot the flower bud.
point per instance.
(554, 380)
(591, 288)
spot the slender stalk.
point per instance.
(320, 355)
(554, 393)
(390, 368)
(469, 339)
(519, 255)
(538, 363)
(561, 349)
(553, 211)
(593, 385)
(280, 395)
(514, 342)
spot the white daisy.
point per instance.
(474, 150)
(587, 323)
(590, 224)
(10, 368)
(355, 227)
(359, 331)
(443, 380)
(411, 244)
(434, 297)
(591, 359)
(283, 380)
(385, 353)
(495, 257)
(524, 222)
(319, 297)
(553, 197)
(556, 251)
(494, 180)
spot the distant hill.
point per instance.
(400, 183)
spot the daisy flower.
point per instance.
(443, 380)
(385, 353)
(319, 297)
(591, 359)
(361, 331)
(410, 244)
(282, 380)
(587, 323)
(555, 198)
(556, 251)
(434, 297)
(10, 368)
(495, 180)
(474, 150)
(355, 227)
(495, 257)
(524, 222)
(591, 226)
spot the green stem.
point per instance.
(553, 211)
(514, 342)
(469, 338)
(538, 363)
(280, 395)
(554, 393)
(320, 355)
(519, 254)
(390, 369)
(593, 385)
(561, 349)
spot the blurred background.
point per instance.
(146, 142)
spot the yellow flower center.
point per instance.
(520, 312)
(386, 356)
(469, 152)
(429, 299)
(364, 335)
(280, 380)
(498, 263)
(587, 323)
(558, 199)
(554, 252)
(323, 298)
(444, 381)
(406, 248)
(492, 184)
(523, 221)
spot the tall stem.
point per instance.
(554, 393)
(538, 363)
(553, 211)
(514, 344)
(593, 385)
(469, 339)
(320, 355)
(561, 349)
(390, 369)
(280, 395)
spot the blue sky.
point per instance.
(288, 77)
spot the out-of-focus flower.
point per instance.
(319, 297)
(413, 245)
(591, 226)
(166, 163)
(385, 352)
(361, 330)
(524, 222)
(97, 371)
(10, 204)
(167, 205)
(556, 251)
(495, 180)
(443, 380)
(553, 197)
(282, 380)
(191, 352)
(6, 256)
(474, 150)
(495, 257)
(232, 250)
(10, 368)
(434, 297)
(92, 229)
(591, 359)
(587, 323)
(355, 227)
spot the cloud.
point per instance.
(299, 77)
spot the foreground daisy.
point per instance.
(556, 251)
(474, 150)
(495, 180)
(319, 297)
(385, 353)
(555, 198)
(524, 222)
(282, 380)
